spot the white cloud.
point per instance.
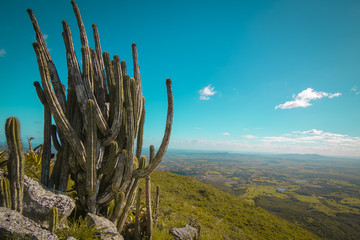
(226, 134)
(249, 136)
(312, 131)
(303, 98)
(206, 92)
(2, 52)
(45, 36)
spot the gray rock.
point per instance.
(38, 202)
(110, 231)
(12, 223)
(187, 232)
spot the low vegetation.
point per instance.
(185, 200)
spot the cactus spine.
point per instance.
(15, 162)
(97, 123)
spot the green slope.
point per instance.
(184, 200)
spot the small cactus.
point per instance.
(15, 162)
(5, 200)
(54, 220)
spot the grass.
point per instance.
(184, 200)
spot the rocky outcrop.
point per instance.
(187, 232)
(110, 231)
(38, 202)
(15, 225)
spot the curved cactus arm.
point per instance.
(59, 116)
(83, 37)
(118, 113)
(166, 139)
(139, 140)
(58, 87)
(130, 196)
(15, 163)
(55, 140)
(117, 179)
(40, 93)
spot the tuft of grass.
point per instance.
(79, 229)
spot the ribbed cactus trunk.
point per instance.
(15, 163)
(97, 122)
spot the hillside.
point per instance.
(184, 200)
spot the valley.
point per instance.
(319, 193)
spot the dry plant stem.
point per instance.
(149, 220)
(157, 202)
(15, 163)
(137, 215)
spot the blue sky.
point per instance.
(248, 76)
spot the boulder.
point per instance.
(13, 225)
(39, 201)
(187, 232)
(110, 231)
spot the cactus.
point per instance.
(5, 200)
(15, 162)
(97, 123)
(54, 220)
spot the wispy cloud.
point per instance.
(226, 134)
(207, 92)
(355, 89)
(2, 52)
(312, 141)
(45, 36)
(303, 98)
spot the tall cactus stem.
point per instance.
(15, 163)
(91, 154)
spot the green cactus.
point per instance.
(97, 124)
(54, 220)
(15, 163)
(5, 197)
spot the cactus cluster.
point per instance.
(98, 122)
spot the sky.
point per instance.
(247, 76)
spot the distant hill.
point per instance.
(184, 200)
